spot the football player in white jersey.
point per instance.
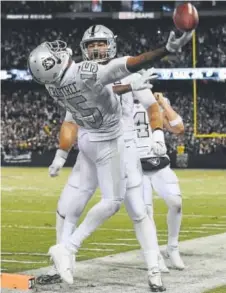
(157, 173)
(72, 202)
(159, 176)
(84, 89)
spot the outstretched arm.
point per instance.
(121, 67)
(147, 59)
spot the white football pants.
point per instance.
(75, 197)
(104, 161)
(165, 183)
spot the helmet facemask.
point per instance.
(57, 48)
(98, 53)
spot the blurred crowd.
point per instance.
(211, 119)
(31, 121)
(135, 38)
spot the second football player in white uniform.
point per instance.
(159, 176)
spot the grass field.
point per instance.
(217, 290)
(29, 199)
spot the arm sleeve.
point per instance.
(69, 118)
(113, 71)
(145, 97)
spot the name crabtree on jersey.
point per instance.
(86, 92)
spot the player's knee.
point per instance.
(138, 215)
(116, 204)
(112, 206)
(175, 202)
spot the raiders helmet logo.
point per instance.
(48, 63)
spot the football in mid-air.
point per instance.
(185, 17)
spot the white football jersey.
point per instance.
(86, 92)
(127, 101)
(143, 129)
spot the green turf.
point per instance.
(29, 199)
(217, 290)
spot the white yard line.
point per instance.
(28, 188)
(214, 225)
(45, 254)
(22, 261)
(165, 236)
(23, 253)
(29, 254)
(28, 211)
(120, 213)
(98, 249)
(114, 244)
(205, 260)
(200, 230)
(214, 228)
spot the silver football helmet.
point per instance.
(48, 62)
(99, 33)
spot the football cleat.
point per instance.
(174, 255)
(155, 281)
(62, 259)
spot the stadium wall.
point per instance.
(35, 159)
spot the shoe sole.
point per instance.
(154, 288)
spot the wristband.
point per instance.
(176, 121)
(158, 135)
(62, 154)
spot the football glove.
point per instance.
(142, 82)
(158, 143)
(58, 162)
(173, 44)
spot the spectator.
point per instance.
(31, 121)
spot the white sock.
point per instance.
(174, 218)
(95, 217)
(59, 227)
(146, 235)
